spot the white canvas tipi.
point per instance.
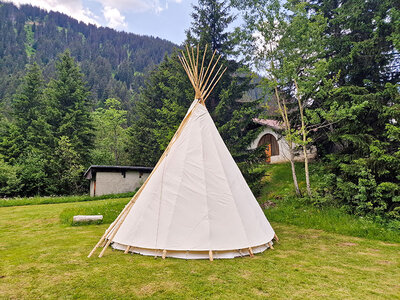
(196, 203)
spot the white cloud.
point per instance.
(112, 10)
(138, 6)
(128, 5)
(114, 18)
(73, 8)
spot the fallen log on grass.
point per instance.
(83, 218)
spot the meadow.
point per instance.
(43, 256)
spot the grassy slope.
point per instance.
(290, 210)
(42, 258)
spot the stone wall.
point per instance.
(115, 183)
(283, 148)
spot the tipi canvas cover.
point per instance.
(195, 204)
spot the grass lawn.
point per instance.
(58, 199)
(42, 258)
(300, 212)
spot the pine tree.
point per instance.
(71, 108)
(364, 149)
(160, 109)
(29, 113)
(168, 94)
(211, 19)
(232, 115)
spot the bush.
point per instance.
(10, 183)
(253, 176)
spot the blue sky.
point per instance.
(167, 19)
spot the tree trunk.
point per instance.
(296, 184)
(285, 118)
(304, 134)
(306, 171)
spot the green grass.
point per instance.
(109, 209)
(58, 199)
(42, 258)
(291, 210)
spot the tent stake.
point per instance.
(164, 254)
(210, 255)
(270, 245)
(276, 237)
(251, 252)
(127, 249)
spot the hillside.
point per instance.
(113, 62)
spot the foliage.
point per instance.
(68, 99)
(160, 109)
(67, 169)
(31, 130)
(49, 136)
(362, 151)
(210, 21)
(113, 62)
(10, 183)
(110, 134)
(168, 94)
(344, 58)
(318, 212)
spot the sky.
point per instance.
(166, 19)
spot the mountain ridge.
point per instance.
(113, 62)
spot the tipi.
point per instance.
(196, 203)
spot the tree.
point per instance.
(110, 134)
(286, 43)
(232, 114)
(29, 114)
(70, 107)
(168, 94)
(67, 169)
(10, 184)
(210, 19)
(159, 110)
(360, 146)
(363, 149)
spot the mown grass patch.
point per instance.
(58, 199)
(109, 209)
(42, 259)
(292, 210)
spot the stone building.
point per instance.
(106, 180)
(276, 146)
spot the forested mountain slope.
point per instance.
(113, 62)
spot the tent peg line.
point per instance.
(270, 245)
